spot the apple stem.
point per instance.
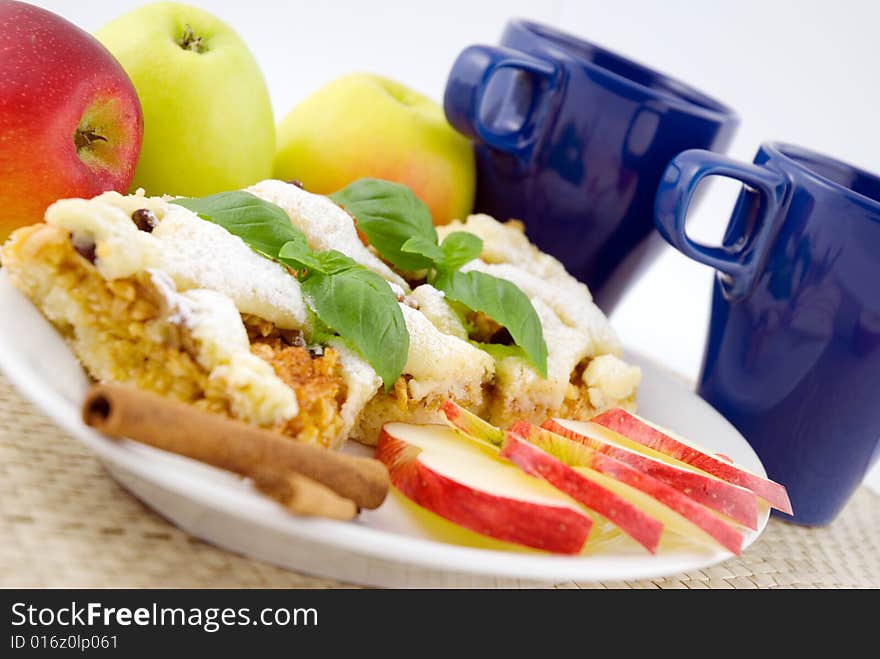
(189, 41)
(83, 137)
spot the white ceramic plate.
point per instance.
(385, 547)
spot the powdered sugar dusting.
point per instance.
(201, 254)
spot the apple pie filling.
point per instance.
(312, 371)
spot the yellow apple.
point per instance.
(363, 125)
(208, 123)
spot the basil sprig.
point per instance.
(353, 301)
(399, 226)
(504, 303)
(389, 214)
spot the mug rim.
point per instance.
(798, 157)
(696, 101)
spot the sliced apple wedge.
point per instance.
(471, 425)
(666, 442)
(740, 504)
(737, 503)
(468, 484)
(635, 522)
(677, 511)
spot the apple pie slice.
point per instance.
(586, 373)
(149, 294)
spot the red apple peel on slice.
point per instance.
(636, 523)
(471, 425)
(640, 488)
(737, 503)
(641, 431)
(632, 521)
(522, 510)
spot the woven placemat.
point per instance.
(64, 522)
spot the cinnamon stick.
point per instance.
(124, 411)
(302, 495)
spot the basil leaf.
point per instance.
(333, 262)
(504, 303)
(424, 247)
(460, 247)
(389, 214)
(297, 254)
(362, 308)
(262, 225)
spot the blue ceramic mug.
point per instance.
(572, 139)
(793, 354)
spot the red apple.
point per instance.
(738, 503)
(469, 485)
(677, 511)
(70, 120)
(664, 441)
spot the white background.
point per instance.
(803, 72)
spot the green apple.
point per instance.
(208, 122)
(363, 125)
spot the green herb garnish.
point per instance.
(263, 226)
(460, 247)
(353, 301)
(389, 214)
(399, 226)
(504, 303)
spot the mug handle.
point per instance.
(467, 84)
(740, 259)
